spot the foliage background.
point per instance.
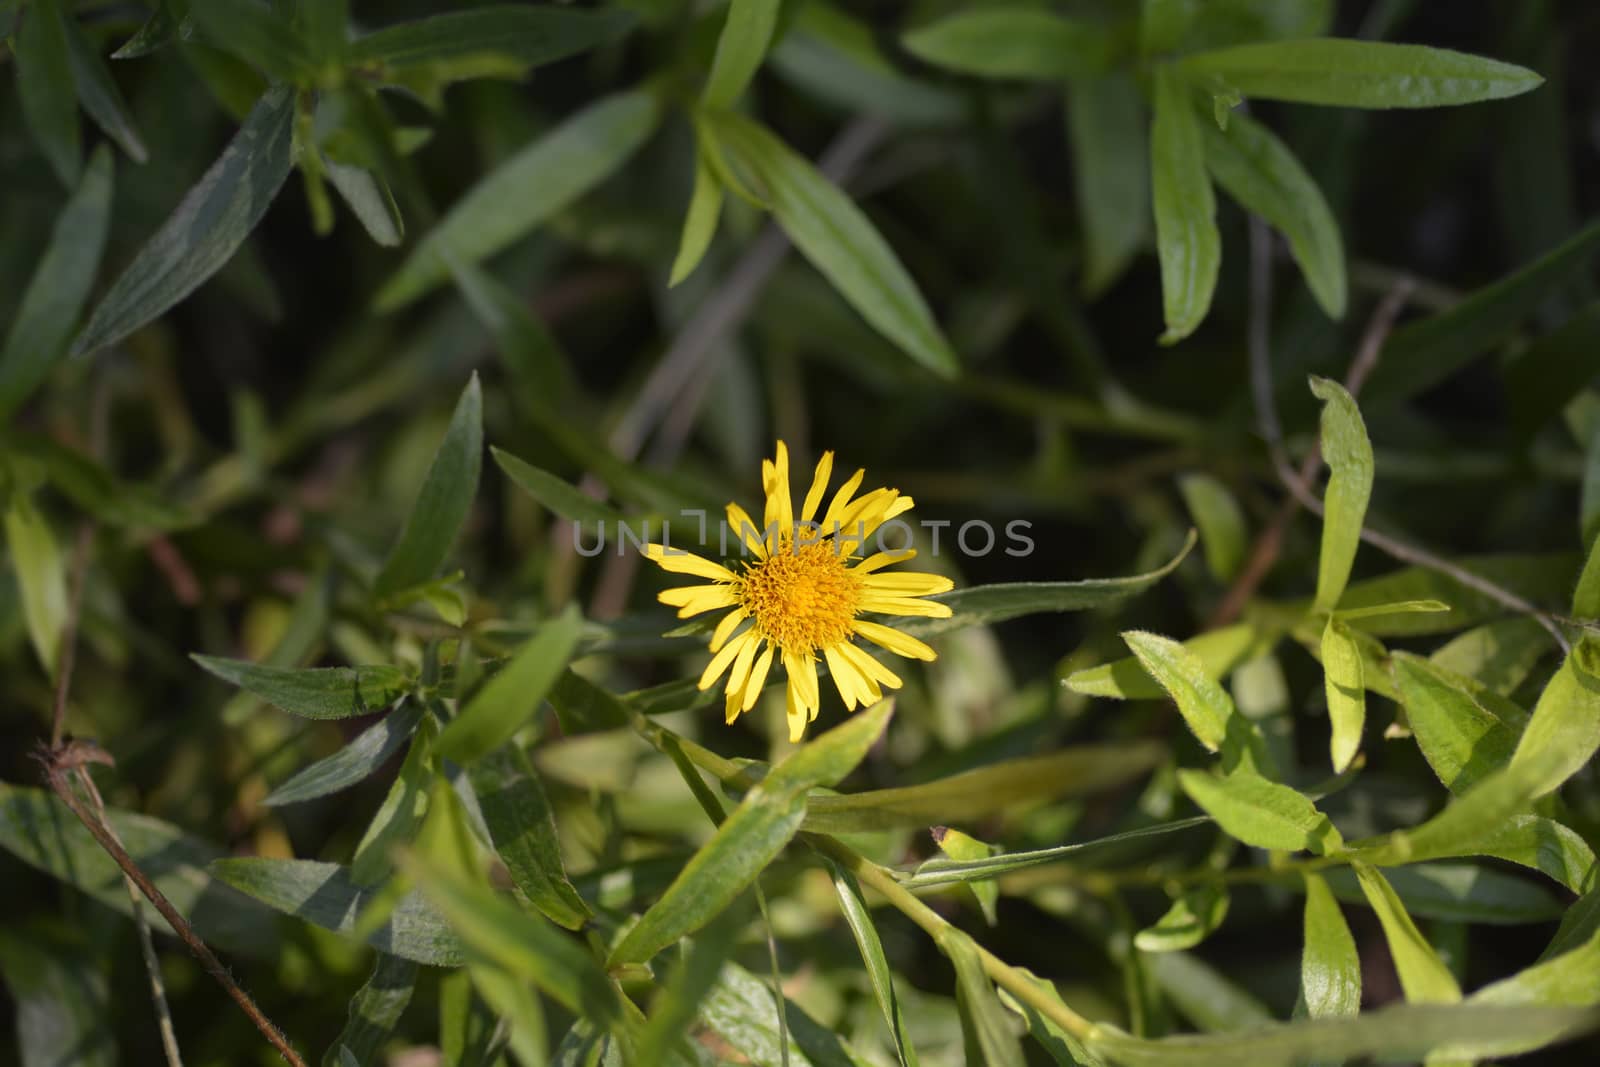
(244, 458)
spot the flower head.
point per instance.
(801, 591)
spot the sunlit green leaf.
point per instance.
(509, 699)
(1423, 976)
(1012, 42)
(1345, 691)
(1330, 968)
(1348, 453)
(1193, 916)
(1262, 813)
(1206, 707)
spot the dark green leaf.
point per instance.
(1340, 72)
(1221, 524)
(529, 35)
(353, 762)
(675, 1008)
(41, 577)
(93, 488)
(442, 503)
(523, 829)
(984, 1026)
(1111, 174)
(1187, 242)
(561, 497)
(99, 94)
(939, 871)
(257, 33)
(401, 814)
(59, 997)
(324, 895)
(314, 693)
(369, 200)
(55, 295)
(853, 904)
(1458, 893)
(509, 699)
(45, 86)
(207, 227)
(1260, 172)
(1012, 42)
(526, 190)
(375, 1010)
(839, 240)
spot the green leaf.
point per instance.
(1348, 453)
(205, 229)
(984, 605)
(534, 360)
(1111, 174)
(442, 503)
(526, 190)
(1564, 731)
(1221, 524)
(317, 692)
(853, 905)
(256, 32)
(1206, 707)
(401, 814)
(1551, 371)
(59, 997)
(985, 1030)
(99, 94)
(1404, 1033)
(1586, 597)
(674, 1009)
(375, 1011)
(561, 497)
(509, 699)
(962, 848)
(1340, 72)
(93, 488)
(42, 832)
(1192, 918)
(1459, 893)
(1065, 1048)
(1262, 813)
(55, 296)
(324, 895)
(1566, 979)
(939, 871)
(1423, 976)
(518, 1006)
(526, 34)
(1187, 242)
(839, 240)
(494, 930)
(740, 1010)
(1330, 967)
(1260, 172)
(961, 798)
(750, 838)
(1012, 42)
(355, 761)
(746, 33)
(1346, 693)
(700, 221)
(1461, 740)
(45, 86)
(369, 200)
(1206, 996)
(1422, 354)
(523, 829)
(41, 575)
(1217, 653)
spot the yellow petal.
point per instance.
(896, 507)
(758, 678)
(678, 561)
(730, 707)
(869, 667)
(900, 605)
(725, 628)
(693, 599)
(797, 716)
(745, 530)
(879, 560)
(845, 677)
(719, 663)
(819, 485)
(741, 669)
(802, 678)
(894, 640)
(841, 499)
(775, 480)
(909, 583)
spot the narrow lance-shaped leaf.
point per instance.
(1461, 740)
(1330, 967)
(401, 813)
(1220, 521)
(1349, 457)
(1340, 72)
(375, 1010)
(355, 761)
(839, 240)
(1187, 242)
(1564, 731)
(41, 575)
(757, 830)
(443, 501)
(984, 1027)
(1206, 707)
(1013, 42)
(509, 699)
(58, 992)
(1111, 174)
(1586, 597)
(528, 34)
(1423, 976)
(1260, 172)
(527, 189)
(1218, 652)
(1345, 691)
(964, 848)
(369, 200)
(1262, 813)
(45, 85)
(745, 35)
(522, 827)
(700, 221)
(1193, 916)
(207, 227)
(853, 904)
(314, 693)
(561, 497)
(675, 1007)
(99, 94)
(60, 285)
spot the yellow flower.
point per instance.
(802, 593)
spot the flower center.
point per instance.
(802, 599)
